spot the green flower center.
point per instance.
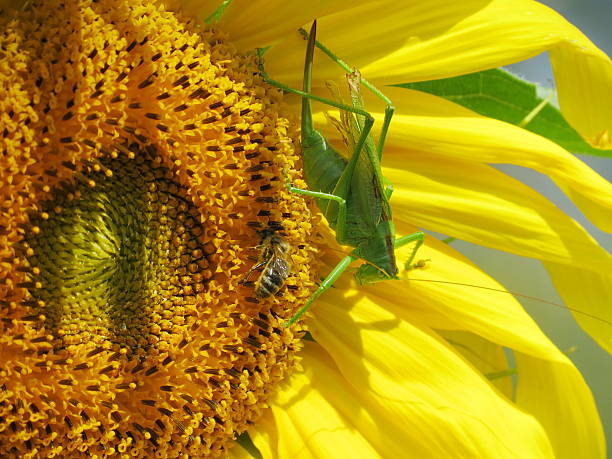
(115, 250)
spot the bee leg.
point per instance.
(248, 274)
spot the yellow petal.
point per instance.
(558, 396)
(550, 391)
(434, 125)
(583, 83)
(265, 435)
(477, 203)
(589, 293)
(487, 357)
(257, 24)
(238, 452)
(451, 293)
(430, 401)
(314, 416)
(437, 39)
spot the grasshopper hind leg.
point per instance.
(326, 284)
(417, 237)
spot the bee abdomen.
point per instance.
(269, 284)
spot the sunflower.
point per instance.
(142, 170)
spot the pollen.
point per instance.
(142, 163)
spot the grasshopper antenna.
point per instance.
(520, 295)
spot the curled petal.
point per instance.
(451, 293)
(588, 292)
(477, 203)
(434, 125)
(554, 391)
(430, 40)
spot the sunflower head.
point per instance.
(141, 160)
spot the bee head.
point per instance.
(269, 231)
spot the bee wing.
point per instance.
(272, 277)
(281, 266)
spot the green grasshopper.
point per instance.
(349, 192)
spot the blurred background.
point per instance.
(594, 19)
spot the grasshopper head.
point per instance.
(370, 274)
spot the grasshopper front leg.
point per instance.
(419, 237)
(341, 218)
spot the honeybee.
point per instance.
(274, 257)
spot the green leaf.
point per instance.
(498, 94)
(245, 441)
